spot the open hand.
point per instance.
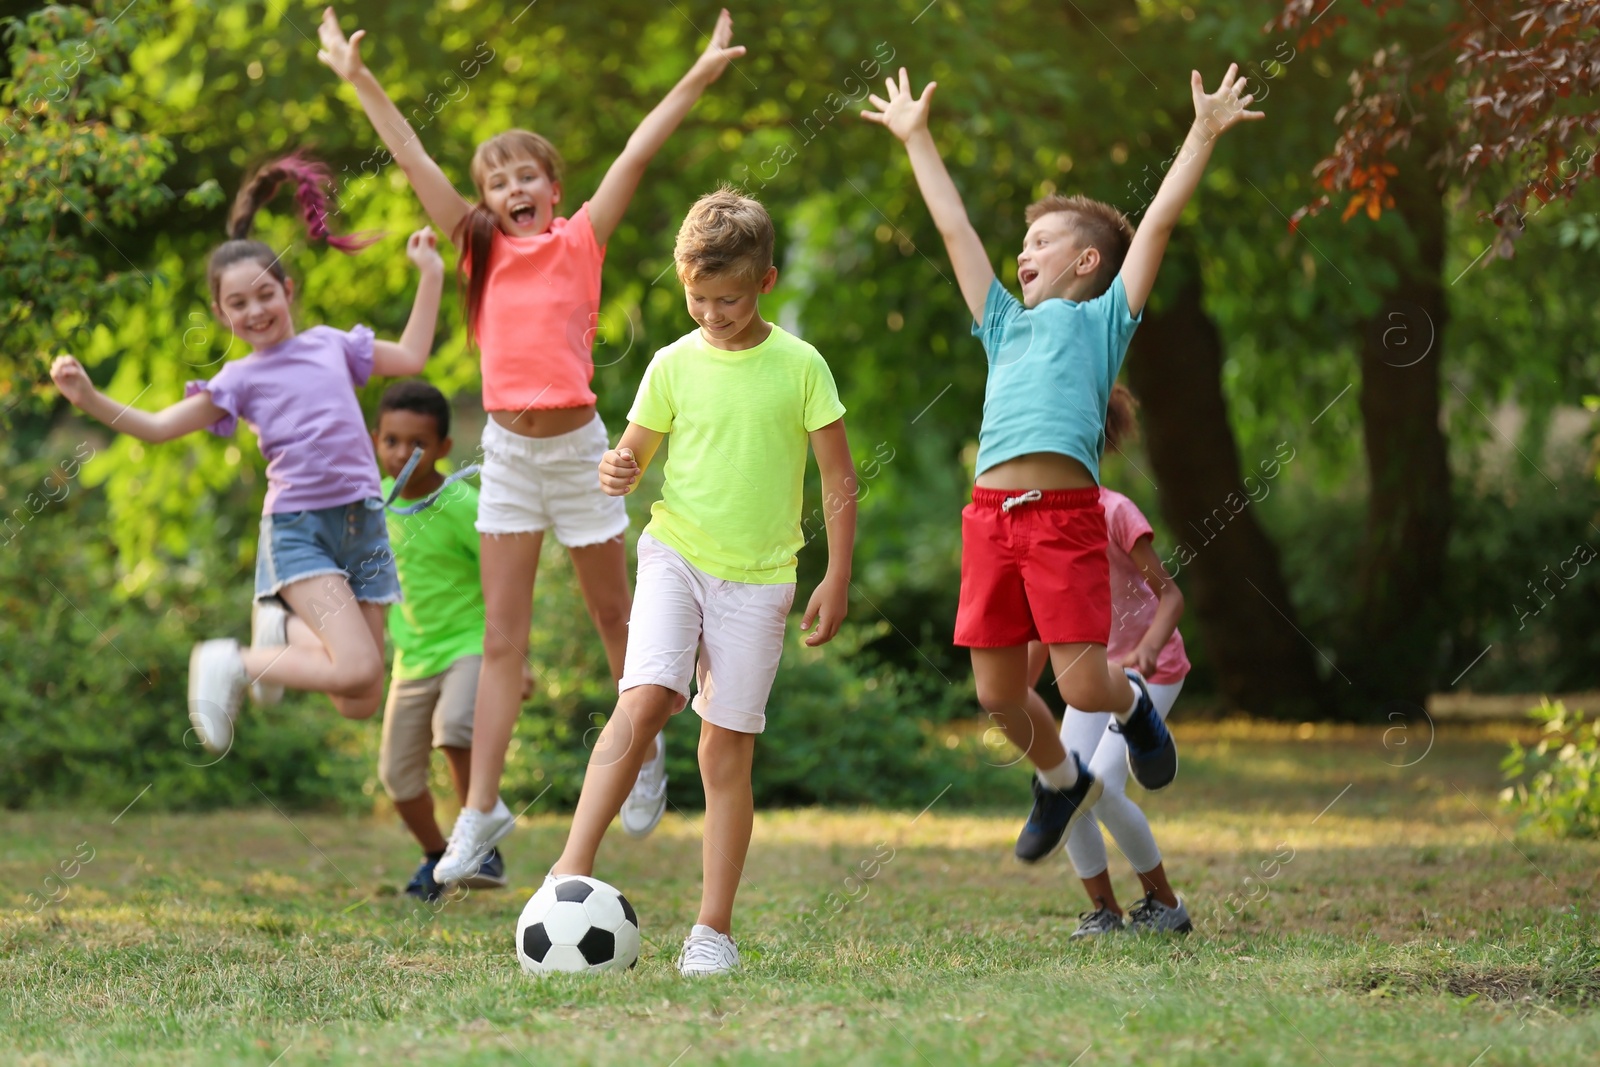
(715, 59)
(422, 248)
(827, 606)
(343, 55)
(1225, 108)
(71, 379)
(902, 113)
(618, 471)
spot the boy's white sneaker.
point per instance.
(474, 834)
(647, 801)
(269, 628)
(216, 685)
(707, 952)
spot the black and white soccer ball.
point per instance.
(577, 925)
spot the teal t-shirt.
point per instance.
(1050, 374)
(436, 557)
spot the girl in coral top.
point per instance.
(532, 282)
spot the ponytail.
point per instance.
(1122, 423)
(310, 178)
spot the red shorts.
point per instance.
(1036, 571)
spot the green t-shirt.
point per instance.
(436, 556)
(736, 463)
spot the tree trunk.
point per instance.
(1224, 561)
(1399, 616)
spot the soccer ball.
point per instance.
(578, 925)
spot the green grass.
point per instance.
(1409, 926)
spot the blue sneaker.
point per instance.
(1152, 754)
(491, 872)
(1054, 812)
(422, 884)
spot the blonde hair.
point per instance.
(475, 233)
(725, 233)
(1096, 225)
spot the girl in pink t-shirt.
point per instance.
(1145, 608)
(532, 285)
(324, 548)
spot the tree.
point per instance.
(1403, 142)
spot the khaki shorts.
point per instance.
(424, 714)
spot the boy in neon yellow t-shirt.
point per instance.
(742, 398)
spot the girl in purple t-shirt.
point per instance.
(324, 549)
(1145, 608)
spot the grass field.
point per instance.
(1357, 899)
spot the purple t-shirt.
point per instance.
(299, 397)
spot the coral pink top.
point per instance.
(537, 318)
(1133, 602)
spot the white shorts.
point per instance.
(734, 630)
(529, 484)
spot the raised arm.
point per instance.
(906, 117)
(185, 417)
(1214, 114)
(444, 205)
(831, 599)
(410, 354)
(1169, 608)
(616, 190)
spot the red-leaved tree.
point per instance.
(1524, 129)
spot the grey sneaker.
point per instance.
(1150, 916)
(1101, 920)
(647, 801)
(216, 685)
(269, 628)
(471, 839)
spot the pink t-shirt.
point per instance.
(536, 322)
(300, 399)
(1133, 602)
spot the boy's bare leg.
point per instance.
(725, 759)
(1087, 681)
(417, 814)
(1003, 691)
(628, 737)
(459, 760)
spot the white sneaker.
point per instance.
(707, 952)
(269, 628)
(216, 685)
(647, 801)
(475, 833)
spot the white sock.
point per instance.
(1063, 775)
(1133, 702)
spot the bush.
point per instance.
(1557, 783)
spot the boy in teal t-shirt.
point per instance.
(437, 630)
(742, 399)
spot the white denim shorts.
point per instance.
(727, 635)
(529, 484)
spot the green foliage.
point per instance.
(1557, 782)
(78, 174)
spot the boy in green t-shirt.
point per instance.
(742, 398)
(437, 630)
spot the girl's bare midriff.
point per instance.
(1037, 470)
(544, 422)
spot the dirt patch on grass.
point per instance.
(1502, 984)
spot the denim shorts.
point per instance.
(351, 540)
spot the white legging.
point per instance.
(1106, 755)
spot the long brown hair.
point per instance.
(1122, 421)
(310, 179)
(475, 233)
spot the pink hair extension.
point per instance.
(310, 178)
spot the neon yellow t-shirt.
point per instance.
(736, 462)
